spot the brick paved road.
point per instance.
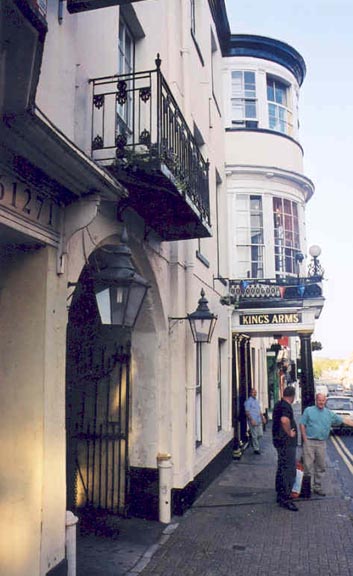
(236, 528)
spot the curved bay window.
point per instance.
(250, 236)
(286, 236)
(279, 113)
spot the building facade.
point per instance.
(112, 185)
(276, 304)
(117, 179)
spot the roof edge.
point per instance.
(268, 49)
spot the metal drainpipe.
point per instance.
(70, 542)
(164, 463)
(189, 255)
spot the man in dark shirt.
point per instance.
(284, 434)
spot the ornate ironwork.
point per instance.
(97, 143)
(315, 270)
(145, 138)
(121, 94)
(120, 141)
(151, 116)
(98, 100)
(267, 290)
(145, 94)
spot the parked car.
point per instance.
(342, 405)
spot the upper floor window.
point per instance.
(196, 26)
(279, 113)
(250, 236)
(193, 16)
(126, 54)
(244, 112)
(286, 236)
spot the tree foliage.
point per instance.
(325, 365)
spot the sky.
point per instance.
(322, 32)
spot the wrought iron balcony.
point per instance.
(273, 293)
(141, 136)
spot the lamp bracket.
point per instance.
(77, 216)
(173, 321)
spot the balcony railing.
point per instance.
(139, 131)
(272, 292)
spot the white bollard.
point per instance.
(165, 487)
(70, 542)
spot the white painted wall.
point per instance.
(32, 507)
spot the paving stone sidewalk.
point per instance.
(236, 528)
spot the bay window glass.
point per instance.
(286, 236)
(249, 236)
(244, 111)
(279, 112)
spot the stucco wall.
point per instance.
(32, 415)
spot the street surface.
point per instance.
(340, 452)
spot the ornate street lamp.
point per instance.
(202, 321)
(315, 270)
(118, 289)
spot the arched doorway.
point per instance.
(97, 407)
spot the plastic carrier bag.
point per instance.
(297, 486)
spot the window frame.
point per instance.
(286, 236)
(126, 65)
(282, 112)
(243, 97)
(193, 28)
(255, 266)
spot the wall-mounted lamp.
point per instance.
(202, 321)
(118, 289)
(315, 270)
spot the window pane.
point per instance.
(243, 96)
(243, 236)
(270, 91)
(237, 110)
(286, 235)
(250, 109)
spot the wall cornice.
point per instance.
(271, 172)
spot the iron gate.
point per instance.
(97, 404)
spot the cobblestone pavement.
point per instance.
(236, 528)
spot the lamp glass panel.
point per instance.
(119, 296)
(135, 298)
(200, 329)
(103, 302)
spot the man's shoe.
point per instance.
(289, 506)
(257, 452)
(319, 492)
